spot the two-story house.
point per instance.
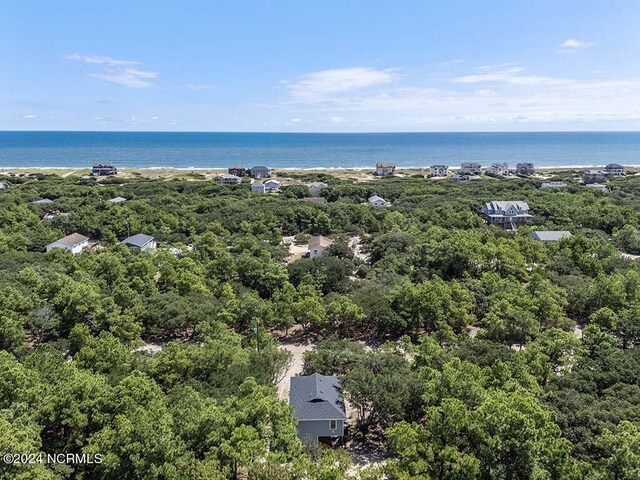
(260, 171)
(470, 168)
(102, 169)
(614, 170)
(385, 168)
(318, 406)
(438, 171)
(525, 168)
(508, 215)
(498, 169)
(74, 243)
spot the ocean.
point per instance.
(314, 150)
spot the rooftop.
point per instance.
(317, 397)
(138, 240)
(73, 239)
(319, 241)
(551, 235)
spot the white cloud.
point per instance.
(337, 120)
(196, 86)
(572, 46)
(507, 73)
(295, 120)
(321, 86)
(29, 116)
(120, 72)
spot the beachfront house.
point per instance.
(550, 235)
(438, 171)
(385, 168)
(237, 171)
(74, 243)
(470, 168)
(614, 170)
(525, 168)
(140, 242)
(598, 186)
(508, 214)
(498, 169)
(271, 185)
(103, 169)
(317, 245)
(459, 178)
(318, 406)
(229, 178)
(378, 202)
(115, 200)
(315, 188)
(593, 176)
(260, 171)
(553, 185)
(258, 187)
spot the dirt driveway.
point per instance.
(296, 348)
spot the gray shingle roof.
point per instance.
(139, 240)
(317, 397)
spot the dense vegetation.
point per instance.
(549, 388)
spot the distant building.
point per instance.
(438, 171)
(102, 169)
(314, 199)
(470, 168)
(593, 177)
(270, 185)
(526, 168)
(229, 178)
(318, 245)
(4, 185)
(315, 188)
(117, 200)
(258, 187)
(51, 215)
(43, 201)
(74, 243)
(550, 235)
(498, 169)
(237, 171)
(508, 215)
(140, 242)
(598, 186)
(385, 168)
(318, 406)
(260, 171)
(553, 185)
(614, 170)
(459, 178)
(378, 202)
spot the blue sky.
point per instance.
(338, 66)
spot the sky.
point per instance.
(320, 66)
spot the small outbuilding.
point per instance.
(550, 235)
(378, 202)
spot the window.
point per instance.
(333, 424)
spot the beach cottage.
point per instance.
(318, 406)
(526, 168)
(508, 215)
(470, 168)
(260, 171)
(315, 188)
(73, 243)
(385, 168)
(140, 242)
(317, 246)
(438, 171)
(498, 169)
(102, 169)
(378, 202)
(550, 235)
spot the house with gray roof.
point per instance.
(42, 201)
(260, 171)
(550, 235)
(508, 214)
(378, 202)
(318, 406)
(315, 188)
(117, 200)
(544, 185)
(140, 242)
(614, 170)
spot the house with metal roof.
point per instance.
(508, 215)
(117, 200)
(318, 406)
(74, 243)
(550, 235)
(140, 242)
(378, 202)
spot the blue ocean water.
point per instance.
(314, 150)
